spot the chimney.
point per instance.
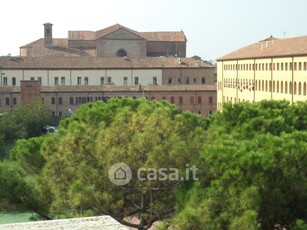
(48, 35)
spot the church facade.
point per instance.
(113, 41)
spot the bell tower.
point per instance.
(48, 34)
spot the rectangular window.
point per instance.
(281, 66)
(203, 80)
(5, 81)
(109, 80)
(125, 80)
(71, 100)
(136, 80)
(85, 80)
(39, 79)
(32, 78)
(277, 66)
(295, 66)
(170, 80)
(300, 66)
(79, 81)
(102, 81)
(187, 80)
(286, 66)
(56, 80)
(13, 80)
(154, 81)
(290, 66)
(305, 65)
(62, 80)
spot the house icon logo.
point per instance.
(120, 174)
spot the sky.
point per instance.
(213, 28)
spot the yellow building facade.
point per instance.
(270, 69)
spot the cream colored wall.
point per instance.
(52, 74)
(94, 76)
(146, 76)
(271, 78)
(9, 74)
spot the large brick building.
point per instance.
(113, 62)
(68, 82)
(113, 41)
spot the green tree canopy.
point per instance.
(254, 170)
(24, 121)
(138, 133)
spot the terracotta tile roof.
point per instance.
(81, 35)
(270, 48)
(98, 63)
(164, 36)
(59, 49)
(111, 29)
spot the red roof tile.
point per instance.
(81, 35)
(59, 49)
(164, 36)
(98, 62)
(270, 48)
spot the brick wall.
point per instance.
(29, 90)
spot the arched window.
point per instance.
(210, 100)
(304, 89)
(52, 100)
(14, 101)
(286, 87)
(299, 88)
(7, 101)
(192, 100)
(277, 86)
(199, 99)
(290, 87)
(281, 86)
(172, 99)
(60, 101)
(121, 53)
(180, 100)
